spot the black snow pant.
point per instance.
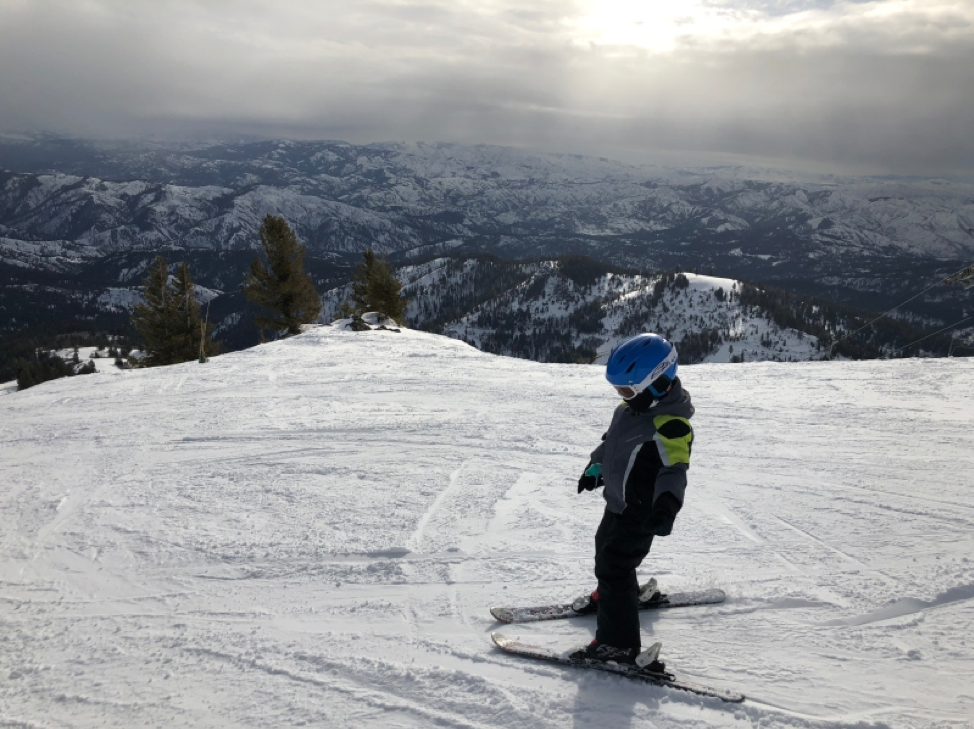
(621, 544)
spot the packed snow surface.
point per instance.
(311, 532)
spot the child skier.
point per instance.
(642, 462)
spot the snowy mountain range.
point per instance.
(311, 533)
(406, 198)
(79, 219)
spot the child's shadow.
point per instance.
(604, 701)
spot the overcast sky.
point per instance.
(871, 86)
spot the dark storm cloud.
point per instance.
(884, 86)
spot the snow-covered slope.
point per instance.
(710, 304)
(310, 533)
(714, 327)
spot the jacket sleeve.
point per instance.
(674, 441)
(671, 484)
(596, 456)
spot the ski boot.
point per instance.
(596, 652)
(646, 661)
(589, 604)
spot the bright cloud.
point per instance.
(882, 85)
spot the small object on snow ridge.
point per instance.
(369, 321)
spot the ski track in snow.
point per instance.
(416, 539)
(311, 532)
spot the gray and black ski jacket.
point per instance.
(645, 455)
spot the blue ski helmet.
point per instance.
(643, 362)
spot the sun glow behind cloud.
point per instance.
(653, 25)
(887, 84)
(892, 27)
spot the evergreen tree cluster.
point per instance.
(465, 285)
(587, 318)
(535, 310)
(831, 322)
(169, 320)
(16, 352)
(583, 271)
(44, 366)
(696, 345)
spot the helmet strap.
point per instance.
(661, 387)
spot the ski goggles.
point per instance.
(659, 387)
(627, 393)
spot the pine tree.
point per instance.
(282, 287)
(188, 327)
(376, 288)
(169, 319)
(154, 318)
(25, 378)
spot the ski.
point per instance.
(529, 649)
(658, 601)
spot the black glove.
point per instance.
(592, 478)
(665, 509)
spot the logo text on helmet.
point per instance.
(668, 361)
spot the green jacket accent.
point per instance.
(674, 438)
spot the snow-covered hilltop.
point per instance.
(704, 315)
(574, 310)
(311, 533)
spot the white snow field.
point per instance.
(311, 532)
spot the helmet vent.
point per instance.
(631, 367)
